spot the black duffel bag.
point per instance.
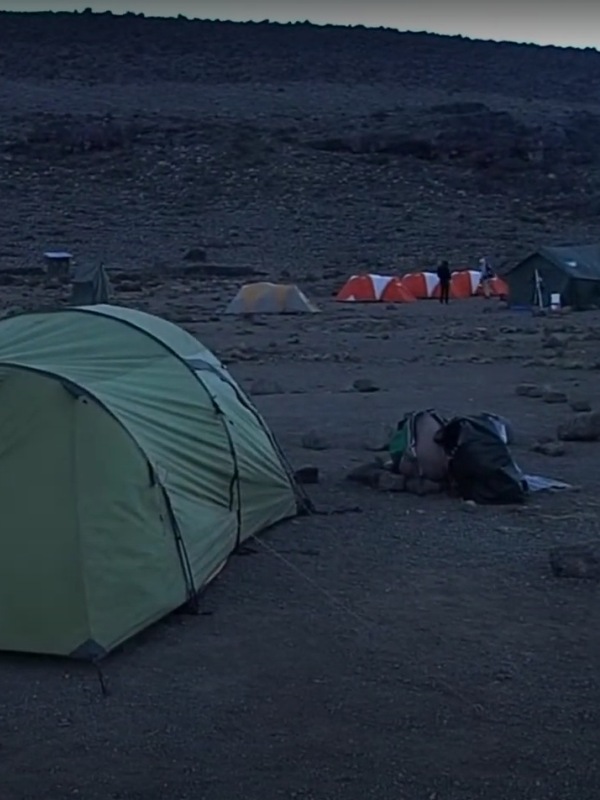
(481, 467)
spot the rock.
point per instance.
(557, 340)
(552, 449)
(576, 561)
(380, 439)
(469, 506)
(367, 474)
(129, 286)
(390, 482)
(314, 441)
(551, 396)
(195, 254)
(583, 427)
(580, 406)
(307, 475)
(240, 354)
(365, 385)
(529, 390)
(571, 364)
(481, 360)
(264, 386)
(423, 487)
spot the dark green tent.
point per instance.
(573, 272)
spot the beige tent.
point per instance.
(270, 298)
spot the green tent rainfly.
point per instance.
(571, 272)
(131, 466)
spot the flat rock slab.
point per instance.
(365, 385)
(576, 561)
(552, 449)
(583, 427)
(553, 397)
(368, 474)
(580, 406)
(529, 390)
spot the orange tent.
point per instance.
(363, 289)
(421, 285)
(498, 288)
(463, 284)
(396, 292)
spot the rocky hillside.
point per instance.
(105, 48)
(301, 149)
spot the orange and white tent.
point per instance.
(370, 289)
(421, 285)
(396, 292)
(415, 286)
(463, 283)
(498, 288)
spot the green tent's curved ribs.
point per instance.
(77, 389)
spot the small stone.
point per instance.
(557, 340)
(367, 474)
(580, 406)
(307, 475)
(583, 427)
(529, 390)
(572, 364)
(469, 506)
(553, 397)
(195, 254)
(264, 386)
(365, 385)
(380, 439)
(576, 561)
(390, 482)
(314, 441)
(552, 449)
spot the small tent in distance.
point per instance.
(131, 466)
(497, 288)
(370, 288)
(89, 285)
(270, 298)
(463, 284)
(421, 285)
(396, 292)
(571, 272)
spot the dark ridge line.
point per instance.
(181, 19)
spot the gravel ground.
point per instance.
(389, 646)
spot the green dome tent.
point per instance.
(131, 466)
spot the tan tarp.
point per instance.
(270, 298)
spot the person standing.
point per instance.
(487, 275)
(444, 276)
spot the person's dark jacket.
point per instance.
(443, 273)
